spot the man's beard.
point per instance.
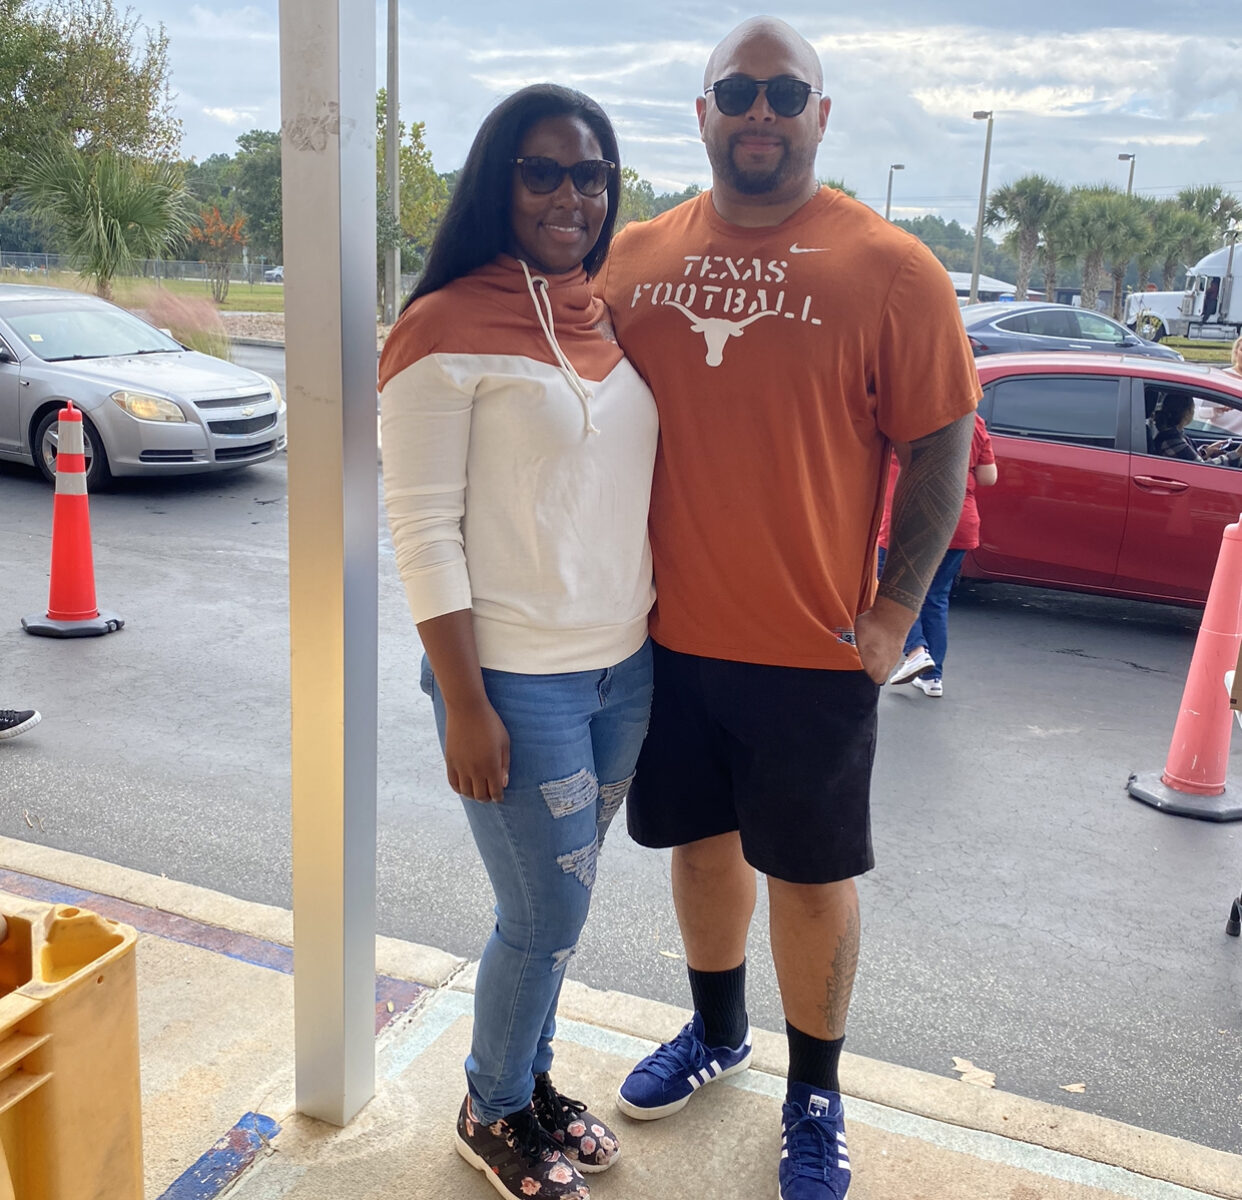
(754, 183)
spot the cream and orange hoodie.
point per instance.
(518, 447)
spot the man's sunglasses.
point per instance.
(786, 95)
(543, 175)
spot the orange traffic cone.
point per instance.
(71, 609)
(1193, 783)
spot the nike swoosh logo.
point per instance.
(796, 249)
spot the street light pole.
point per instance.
(888, 202)
(1130, 182)
(980, 115)
(392, 168)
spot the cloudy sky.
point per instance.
(1072, 84)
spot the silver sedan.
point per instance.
(150, 406)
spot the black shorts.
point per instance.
(781, 754)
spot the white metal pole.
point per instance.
(327, 56)
(983, 200)
(392, 164)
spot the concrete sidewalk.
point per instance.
(216, 1015)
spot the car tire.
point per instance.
(43, 445)
(1151, 328)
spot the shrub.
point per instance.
(193, 322)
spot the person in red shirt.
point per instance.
(928, 639)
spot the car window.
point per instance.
(1097, 328)
(1015, 324)
(56, 331)
(1081, 411)
(1052, 322)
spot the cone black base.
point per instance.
(43, 626)
(1151, 789)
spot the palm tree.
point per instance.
(1180, 237)
(111, 208)
(1213, 203)
(1027, 205)
(1054, 238)
(1103, 225)
(1125, 235)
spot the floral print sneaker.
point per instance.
(585, 1139)
(518, 1157)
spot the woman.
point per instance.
(1168, 439)
(518, 450)
(928, 640)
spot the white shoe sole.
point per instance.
(29, 723)
(908, 673)
(667, 1110)
(479, 1164)
(589, 1169)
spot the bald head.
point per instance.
(770, 31)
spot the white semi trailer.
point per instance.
(1209, 307)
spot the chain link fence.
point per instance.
(15, 267)
(14, 263)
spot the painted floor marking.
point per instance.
(401, 994)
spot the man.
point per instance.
(791, 337)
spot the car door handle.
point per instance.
(1080, 345)
(1160, 485)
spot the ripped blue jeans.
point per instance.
(574, 739)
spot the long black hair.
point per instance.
(477, 224)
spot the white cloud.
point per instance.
(231, 116)
(904, 78)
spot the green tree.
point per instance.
(637, 198)
(1214, 204)
(111, 208)
(257, 192)
(84, 70)
(666, 200)
(1125, 236)
(423, 194)
(213, 182)
(1025, 205)
(27, 57)
(1179, 238)
(838, 185)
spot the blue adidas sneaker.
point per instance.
(664, 1081)
(815, 1164)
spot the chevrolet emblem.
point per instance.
(248, 411)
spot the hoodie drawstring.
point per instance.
(543, 310)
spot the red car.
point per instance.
(1081, 502)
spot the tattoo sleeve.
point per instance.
(927, 505)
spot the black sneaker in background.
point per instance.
(587, 1142)
(14, 721)
(518, 1156)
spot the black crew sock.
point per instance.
(813, 1060)
(720, 999)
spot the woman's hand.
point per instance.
(476, 751)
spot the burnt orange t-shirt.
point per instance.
(784, 360)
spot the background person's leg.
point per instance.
(934, 618)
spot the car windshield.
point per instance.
(56, 331)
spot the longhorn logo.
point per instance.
(717, 331)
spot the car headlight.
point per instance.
(145, 407)
(280, 400)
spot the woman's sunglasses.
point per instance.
(543, 175)
(786, 95)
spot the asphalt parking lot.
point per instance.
(1025, 914)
